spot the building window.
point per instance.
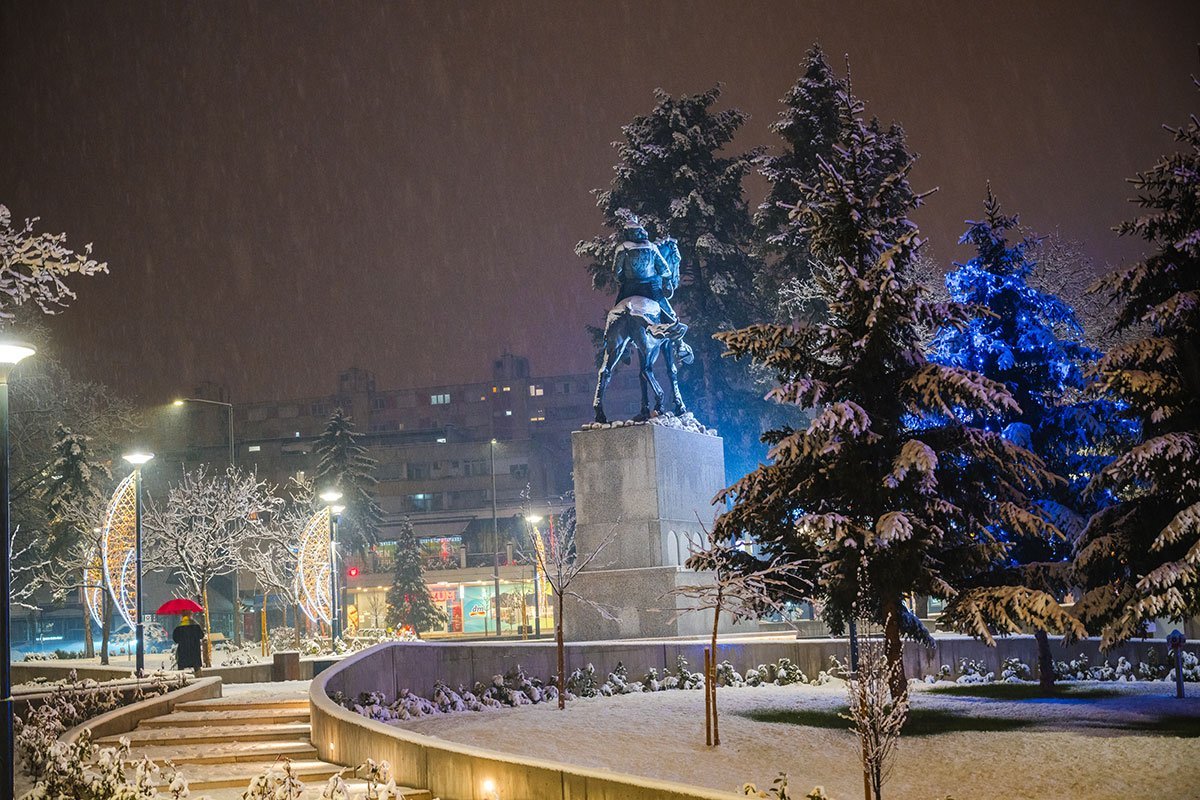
(256, 413)
(538, 416)
(419, 471)
(519, 471)
(439, 399)
(507, 388)
(254, 448)
(319, 410)
(423, 501)
(378, 403)
(479, 467)
(287, 412)
(535, 390)
(508, 412)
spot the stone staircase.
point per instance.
(220, 744)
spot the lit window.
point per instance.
(439, 399)
(538, 417)
(508, 412)
(441, 440)
(297, 434)
(535, 390)
(254, 448)
(507, 388)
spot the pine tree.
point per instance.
(409, 601)
(72, 486)
(1031, 342)
(885, 481)
(672, 174)
(343, 463)
(1138, 559)
(810, 127)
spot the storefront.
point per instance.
(469, 606)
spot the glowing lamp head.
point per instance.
(337, 509)
(352, 572)
(178, 402)
(137, 458)
(532, 519)
(331, 496)
(489, 788)
(12, 353)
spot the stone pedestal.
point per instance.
(652, 487)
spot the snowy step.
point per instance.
(225, 752)
(237, 716)
(220, 776)
(280, 731)
(234, 703)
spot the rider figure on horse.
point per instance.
(642, 271)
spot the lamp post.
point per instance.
(533, 520)
(11, 353)
(138, 458)
(495, 539)
(330, 497)
(237, 627)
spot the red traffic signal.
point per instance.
(352, 572)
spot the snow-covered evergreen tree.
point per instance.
(810, 127)
(885, 478)
(408, 600)
(672, 172)
(1031, 342)
(343, 463)
(1139, 559)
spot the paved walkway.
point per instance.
(220, 744)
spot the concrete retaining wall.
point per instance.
(28, 671)
(454, 771)
(457, 772)
(416, 666)
(126, 718)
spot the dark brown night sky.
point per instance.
(285, 190)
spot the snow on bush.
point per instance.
(973, 672)
(779, 791)
(1014, 670)
(786, 673)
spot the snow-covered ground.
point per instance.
(1073, 748)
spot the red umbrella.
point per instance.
(180, 605)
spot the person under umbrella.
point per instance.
(188, 636)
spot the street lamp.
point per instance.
(138, 458)
(533, 520)
(11, 353)
(330, 497)
(495, 539)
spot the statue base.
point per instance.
(650, 488)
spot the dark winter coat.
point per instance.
(188, 637)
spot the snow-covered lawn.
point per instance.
(1092, 748)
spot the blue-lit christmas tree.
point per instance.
(1031, 342)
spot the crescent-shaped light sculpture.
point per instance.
(117, 545)
(312, 569)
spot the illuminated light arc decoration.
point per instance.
(312, 568)
(118, 543)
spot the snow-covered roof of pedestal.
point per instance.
(685, 422)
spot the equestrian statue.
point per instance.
(648, 273)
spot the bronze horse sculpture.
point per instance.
(642, 323)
